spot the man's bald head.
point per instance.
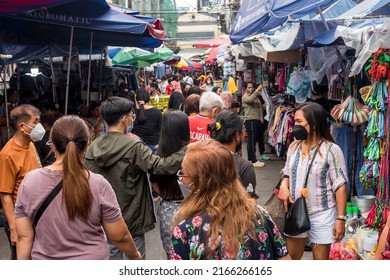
(22, 114)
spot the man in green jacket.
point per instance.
(124, 162)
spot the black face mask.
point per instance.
(300, 132)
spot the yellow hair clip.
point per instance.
(217, 126)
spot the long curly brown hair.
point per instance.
(217, 190)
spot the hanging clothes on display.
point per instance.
(132, 81)
(159, 70)
(282, 79)
(280, 129)
(231, 85)
(344, 136)
(229, 69)
(299, 85)
(268, 106)
(248, 75)
(259, 73)
(240, 84)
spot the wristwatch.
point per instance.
(341, 218)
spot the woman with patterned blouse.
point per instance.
(326, 193)
(218, 219)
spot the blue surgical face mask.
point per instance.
(130, 128)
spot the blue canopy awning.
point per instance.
(255, 17)
(110, 27)
(23, 49)
(336, 9)
(368, 8)
(21, 6)
(333, 36)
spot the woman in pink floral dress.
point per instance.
(218, 219)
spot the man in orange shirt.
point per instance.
(210, 104)
(18, 157)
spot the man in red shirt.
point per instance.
(210, 105)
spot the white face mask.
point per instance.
(36, 133)
(208, 82)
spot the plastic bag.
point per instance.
(344, 250)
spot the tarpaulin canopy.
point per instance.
(255, 17)
(336, 9)
(215, 42)
(110, 27)
(336, 35)
(21, 6)
(82, 23)
(368, 8)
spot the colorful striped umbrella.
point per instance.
(185, 64)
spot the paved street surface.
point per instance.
(267, 177)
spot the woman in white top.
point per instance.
(208, 85)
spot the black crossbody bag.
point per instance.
(297, 217)
(46, 203)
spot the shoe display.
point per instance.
(258, 164)
(264, 157)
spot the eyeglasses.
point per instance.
(180, 175)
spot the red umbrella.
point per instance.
(216, 42)
(212, 56)
(196, 66)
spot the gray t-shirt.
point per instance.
(247, 175)
(56, 236)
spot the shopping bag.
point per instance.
(275, 208)
(297, 218)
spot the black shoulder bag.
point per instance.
(297, 217)
(46, 203)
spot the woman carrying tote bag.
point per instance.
(326, 194)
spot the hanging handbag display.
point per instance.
(297, 217)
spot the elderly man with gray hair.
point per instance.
(210, 105)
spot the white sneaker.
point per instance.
(258, 164)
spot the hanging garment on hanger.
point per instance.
(282, 80)
(345, 136)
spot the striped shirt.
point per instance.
(327, 174)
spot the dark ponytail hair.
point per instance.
(226, 126)
(142, 95)
(70, 136)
